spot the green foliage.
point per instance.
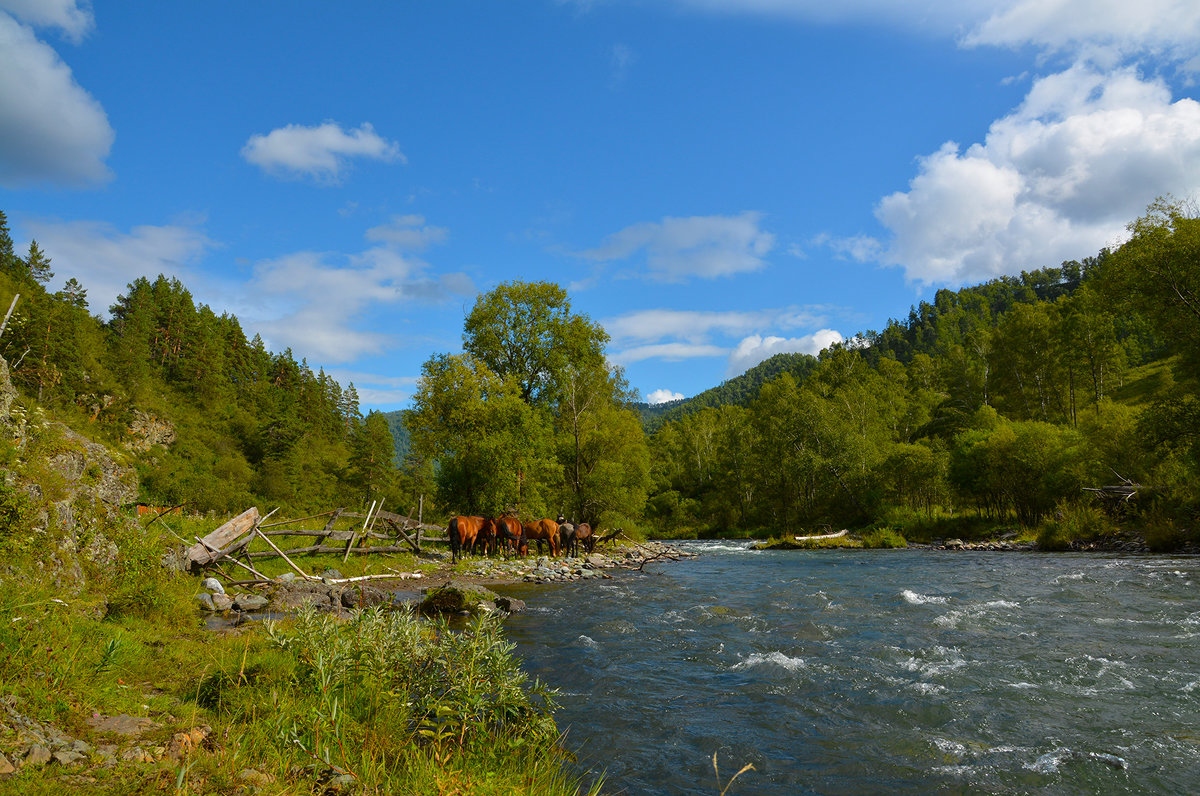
(1074, 522)
(883, 539)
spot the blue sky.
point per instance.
(715, 181)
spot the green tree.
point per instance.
(372, 452)
(526, 331)
(1157, 274)
(490, 448)
(38, 264)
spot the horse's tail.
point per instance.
(455, 540)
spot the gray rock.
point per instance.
(6, 766)
(212, 585)
(206, 601)
(222, 602)
(66, 757)
(331, 574)
(250, 602)
(510, 604)
(38, 755)
(287, 577)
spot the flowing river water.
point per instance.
(846, 672)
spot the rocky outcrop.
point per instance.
(74, 488)
(147, 431)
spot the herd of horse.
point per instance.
(508, 535)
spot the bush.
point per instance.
(1074, 522)
(883, 538)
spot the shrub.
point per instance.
(881, 538)
(1074, 522)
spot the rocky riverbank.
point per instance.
(453, 589)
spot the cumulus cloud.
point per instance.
(756, 348)
(677, 249)
(66, 15)
(321, 152)
(1056, 179)
(310, 299)
(51, 129)
(661, 396)
(106, 260)
(675, 335)
(1165, 27)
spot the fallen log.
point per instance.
(202, 553)
(837, 535)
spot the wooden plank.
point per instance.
(201, 553)
(354, 538)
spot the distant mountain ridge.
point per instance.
(739, 390)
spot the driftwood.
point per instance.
(837, 535)
(1117, 493)
(207, 550)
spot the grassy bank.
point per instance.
(379, 703)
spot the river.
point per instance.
(848, 672)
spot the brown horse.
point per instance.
(543, 531)
(584, 536)
(509, 533)
(462, 532)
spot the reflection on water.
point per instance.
(878, 671)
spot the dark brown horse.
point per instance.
(509, 533)
(584, 536)
(543, 531)
(462, 533)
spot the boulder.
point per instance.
(250, 602)
(457, 597)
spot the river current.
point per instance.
(847, 672)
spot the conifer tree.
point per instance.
(38, 264)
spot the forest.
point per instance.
(990, 409)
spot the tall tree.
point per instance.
(38, 264)
(526, 331)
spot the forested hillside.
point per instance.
(997, 404)
(739, 390)
(211, 420)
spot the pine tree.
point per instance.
(8, 258)
(38, 264)
(73, 293)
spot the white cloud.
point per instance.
(669, 352)
(661, 396)
(66, 15)
(321, 152)
(693, 325)
(677, 249)
(756, 348)
(105, 260)
(1169, 28)
(1057, 179)
(51, 129)
(310, 300)
(1166, 27)
(676, 335)
(407, 232)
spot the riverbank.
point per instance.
(285, 688)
